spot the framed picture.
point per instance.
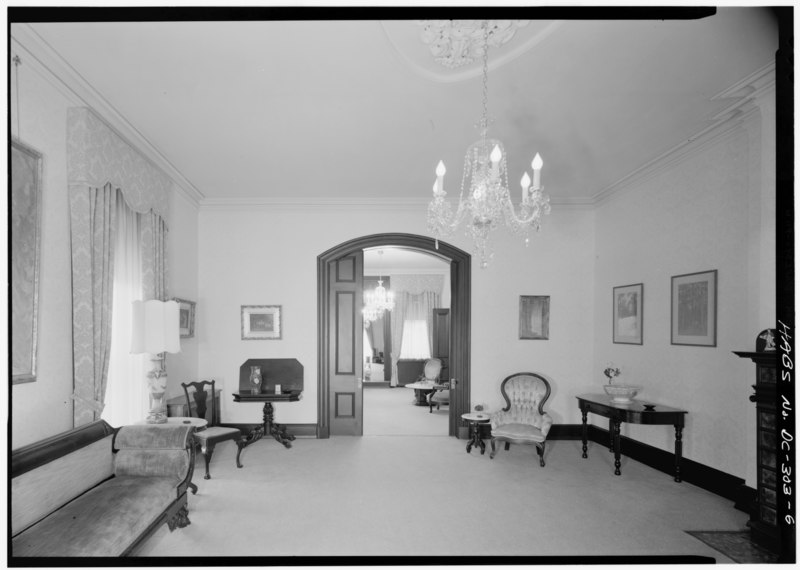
(534, 317)
(261, 322)
(694, 309)
(628, 314)
(25, 221)
(186, 316)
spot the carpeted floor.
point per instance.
(736, 545)
(422, 497)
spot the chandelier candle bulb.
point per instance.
(537, 164)
(525, 183)
(495, 158)
(440, 172)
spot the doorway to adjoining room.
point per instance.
(399, 341)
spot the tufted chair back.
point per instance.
(523, 420)
(433, 367)
(525, 394)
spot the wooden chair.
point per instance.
(209, 437)
(523, 420)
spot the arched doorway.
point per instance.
(343, 261)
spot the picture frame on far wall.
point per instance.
(534, 317)
(261, 322)
(186, 314)
(628, 311)
(25, 214)
(694, 309)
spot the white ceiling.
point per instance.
(359, 110)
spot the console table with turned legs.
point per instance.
(637, 412)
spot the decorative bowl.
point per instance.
(621, 393)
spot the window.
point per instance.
(415, 344)
(126, 399)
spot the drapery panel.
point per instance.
(398, 318)
(92, 227)
(103, 168)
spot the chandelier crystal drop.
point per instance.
(485, 201)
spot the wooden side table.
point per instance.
(475, 420)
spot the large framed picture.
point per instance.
(534, 317)
(25, 221)
(186, 316)
(628, 314)
(694, 309)
(261, 322)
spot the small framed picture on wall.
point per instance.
(628, 314)
(534, 317)
(186, 316)
(261, 322)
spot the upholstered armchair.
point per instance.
(523, 419)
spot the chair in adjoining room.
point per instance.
(523, 420)
(441, 393)
(210, 436)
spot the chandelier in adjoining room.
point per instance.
(377, 301)
(485, 201)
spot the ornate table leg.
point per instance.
(584, 431)
(277, 431)
(616, 447)
(678, 451)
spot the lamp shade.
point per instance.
(155, 327)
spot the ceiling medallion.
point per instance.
(455, 43)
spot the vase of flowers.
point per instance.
(611, 372)
(620, 393)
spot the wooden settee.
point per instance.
(99, 491)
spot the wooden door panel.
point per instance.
(346, 336)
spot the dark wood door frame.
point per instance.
(460, 307)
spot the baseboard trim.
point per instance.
(705, 477)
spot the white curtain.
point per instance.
(126, 397)
(418, 324)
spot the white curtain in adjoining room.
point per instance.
(418, 325)
(126, 397)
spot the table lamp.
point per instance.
(156, 331)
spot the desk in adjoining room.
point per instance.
(636, 412)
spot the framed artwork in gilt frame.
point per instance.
(25, 251)
(186, 314)
(261, 322)
(628, 314)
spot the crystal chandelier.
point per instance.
(485, 201)
(377, 301)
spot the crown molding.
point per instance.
(81, 92)
(723, 123)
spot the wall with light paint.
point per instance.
(267, 255)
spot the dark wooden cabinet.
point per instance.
(440, 343)
(764, 517)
